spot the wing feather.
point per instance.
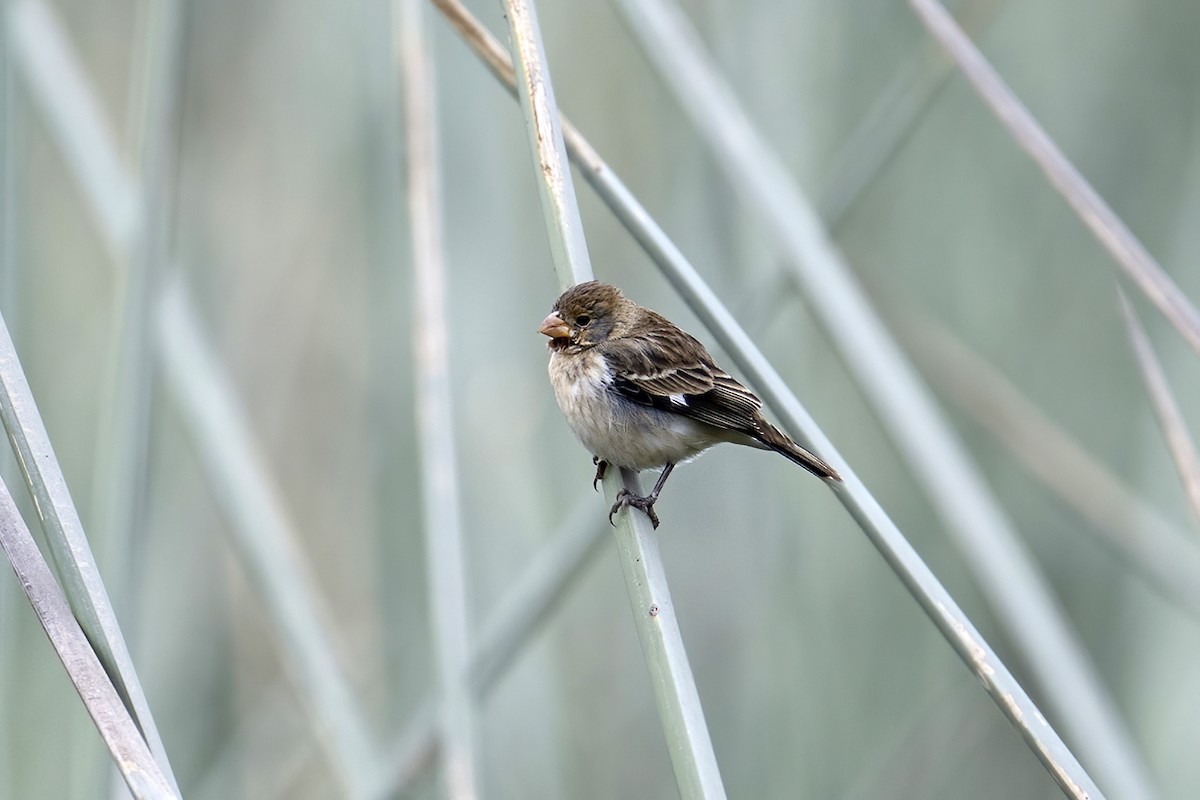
(665, 368)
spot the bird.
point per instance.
(641, 393)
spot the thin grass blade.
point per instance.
(9, 281)
(445, 561)
(1133, 258)
(1157, 550)
(121, 474)
(254, 740)
(688, 740)
(998, 559)
(894, 114)
(504, 633)
(142, 774)
(556, 188)
(57, 84)
(933, 598)
(262, 536)
(69, 549)
(123, 441)
(528, 604)
(1166, 409)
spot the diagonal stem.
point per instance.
(1005, 570)
(1153, 548)
(1109, 229)
(144, 777)
(263, 537)
(1166, 409)
(970, 646)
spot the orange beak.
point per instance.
(554, 327)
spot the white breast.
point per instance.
(620, 432)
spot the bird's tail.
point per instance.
(778, 441)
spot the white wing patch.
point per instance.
(662, 373)
(678, 400)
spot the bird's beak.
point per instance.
(554, 327)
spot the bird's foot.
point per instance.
(628, 498)
(601, 468)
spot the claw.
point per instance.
(601, 468)
(628, 498)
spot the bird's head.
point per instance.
(586, 315)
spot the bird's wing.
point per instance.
(663, 367)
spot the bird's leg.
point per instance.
(601, 468)
(628, 498)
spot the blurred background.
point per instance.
(281, 220)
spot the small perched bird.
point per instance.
(638, 392)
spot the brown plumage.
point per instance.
(639, 392)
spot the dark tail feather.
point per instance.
(778, 441)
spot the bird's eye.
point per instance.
(582, 320)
